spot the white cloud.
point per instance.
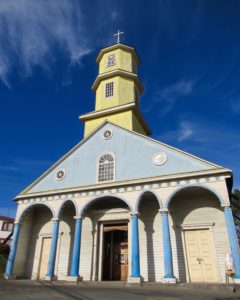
(201, 133)
(169, 95)
(30, 30)
(22, 164)
(185, 131)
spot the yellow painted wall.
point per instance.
(123, 119)
(137, 126)
(123, 60)
(123, 93)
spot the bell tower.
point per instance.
(118, 89)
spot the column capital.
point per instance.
(77, 217)
(163, 210)
(226, 206)
(134, 214)
(55, 219)
(17, 223)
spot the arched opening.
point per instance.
(66, 239)
(197, 229)
(151, 257)
(106, 167)
(105, 236)
(36, 225)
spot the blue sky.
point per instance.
(190, 69)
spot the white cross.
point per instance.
(118, 36)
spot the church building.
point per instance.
(122, 206)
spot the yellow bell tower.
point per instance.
(118, 91)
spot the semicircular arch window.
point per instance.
(106, 168)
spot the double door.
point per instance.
(200, 256)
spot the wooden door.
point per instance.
(46, 243)
(120, 255)
(115, 253)
(200, 256)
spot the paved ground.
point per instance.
(26, 289)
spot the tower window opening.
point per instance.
(109, 90)
(111, 60)
(106, 168)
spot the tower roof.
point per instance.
(119, 46)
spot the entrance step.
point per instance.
(103, 283)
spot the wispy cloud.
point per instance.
(21, 164)
(202, 133)
(185, 131)
(169, 95)
(31, 30)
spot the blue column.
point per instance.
(76, 248)
(232, 235)
(135, 247)
(12, 254)
(167, 249)
(53, 249)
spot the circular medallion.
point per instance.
(159, 158)
(107, 134)
(60, 174)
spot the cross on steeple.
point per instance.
(118, 36)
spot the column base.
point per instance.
(134, 281)
(9, 277)
(50, 278)
(169, 280)
(236, 280)
(74, 278)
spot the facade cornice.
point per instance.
(215, 174)
(117, 72)
(115, 110)
(108, 111)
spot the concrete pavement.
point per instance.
(28, 289)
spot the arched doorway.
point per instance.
(36, 228)
(198, 231)
(104, 247)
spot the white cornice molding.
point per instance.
(143, 183)
(117, 72)
(107, 111)
(115, 110)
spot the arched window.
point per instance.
(106, 168)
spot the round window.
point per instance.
(107, 134)
(60, 174)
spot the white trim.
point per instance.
(106, 111)
(125, 183)
(196, 226)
